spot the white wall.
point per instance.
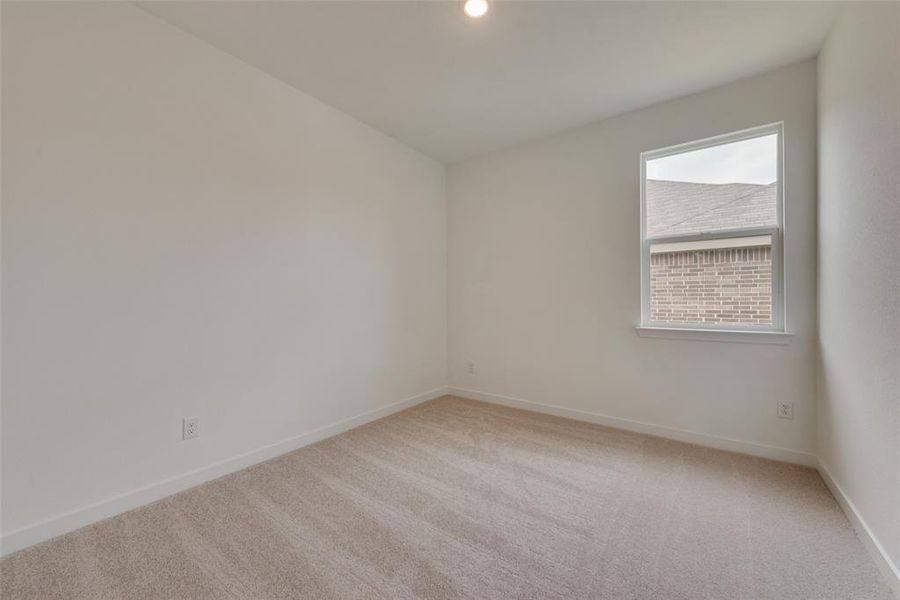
(859, 265)
(184, 235)
(544, 276)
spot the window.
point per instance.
(711, 233)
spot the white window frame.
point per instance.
(776, 233)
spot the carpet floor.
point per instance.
(460, 499)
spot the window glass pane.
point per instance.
(710, 282)
(729, 186)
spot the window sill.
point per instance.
(716, 335)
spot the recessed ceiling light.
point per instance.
(476, 8)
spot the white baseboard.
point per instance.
(681, 435)
(45, 530)
(887, 567)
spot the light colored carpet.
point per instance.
(459, 499)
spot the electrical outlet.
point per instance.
(190, 428)
(470, 368)
(785, 410)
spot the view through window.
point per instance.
(712, 233)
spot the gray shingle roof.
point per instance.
(678, 207)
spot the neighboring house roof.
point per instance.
(677, 207)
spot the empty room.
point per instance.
(450, 299)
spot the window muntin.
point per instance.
(711, 233)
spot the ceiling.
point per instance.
(454, 87)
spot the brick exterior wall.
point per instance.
(729, 285)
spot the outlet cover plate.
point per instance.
(190, 428)
(785, 410)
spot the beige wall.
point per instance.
(544, 260)
(859, 265)
(184, 235)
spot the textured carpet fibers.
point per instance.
(460, 499)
